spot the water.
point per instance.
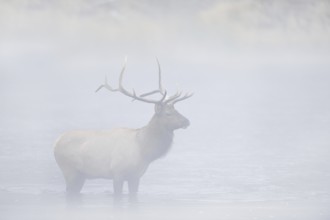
(266, 161)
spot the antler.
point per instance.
(172, 99)
(187, 95)
(160, 86)
(132, 94)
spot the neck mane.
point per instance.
(155, 139)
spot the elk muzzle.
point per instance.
(185, 123)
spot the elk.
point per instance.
(120, 154)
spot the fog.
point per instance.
(258, 143)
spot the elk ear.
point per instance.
(158, 108)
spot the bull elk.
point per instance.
(121, 154)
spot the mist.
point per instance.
(258, 143)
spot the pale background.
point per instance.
(258, 144)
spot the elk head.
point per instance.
(165, 113)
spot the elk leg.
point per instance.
(118, 184)
(133, 185)
(74, 183)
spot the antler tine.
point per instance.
(149, 93)
(186, 96)
(133, 94)
(106, 85)
(160, 86)
(162, 91)
(122, 74)
(173, 97)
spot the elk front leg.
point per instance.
(133, 185)
(118, 184)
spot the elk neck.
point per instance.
(155, 139)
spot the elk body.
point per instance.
(121, 154)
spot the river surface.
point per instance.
(261, 163)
